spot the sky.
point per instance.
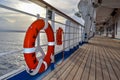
(67, 6)
(14, 20)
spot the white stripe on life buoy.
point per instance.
(29, 50)
(51, 43)
(45, 64)
(36, 70)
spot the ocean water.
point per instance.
(12, 41)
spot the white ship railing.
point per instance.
(72, 36)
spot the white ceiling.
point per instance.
(105, 9)
(111, 3)
(103, 14)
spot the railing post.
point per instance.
(53, 27)
(81, 35)
(78, 36)
(53, 19)
(83, 32)
(67, 39)
(69, 36)
(38, 37)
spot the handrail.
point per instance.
(11, 52)
(16, 10)
(46, 5)
(23, 12)
(16, 51)
(73, 29)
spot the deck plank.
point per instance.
(76, 67)
(115, 58)
(109, 66)
(106, 75)
(58, 68)
(86, 72)
(97, 60)
(81, 68)
(113, 63)
(99, 73)
(69, 68)
(65, 64)
(92, 69)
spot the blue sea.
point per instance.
(10, 41)
(13, 41)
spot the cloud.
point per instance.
(17, 21)
(10, 3)
(67, 6)
(11, 20)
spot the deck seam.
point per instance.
(80, 55)
(80, 63)
(70, 66)
(90, 64)
(115, 60)
(109, 64)
(77, 62)
(108, 55)
(97, 60)
(80, 66)
(106, 65)
(85, 64)
(101, 65)
(62, 65)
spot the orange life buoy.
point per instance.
(59, 36)
(34, 65)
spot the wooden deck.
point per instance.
(97, 60)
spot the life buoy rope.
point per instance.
(35, 65)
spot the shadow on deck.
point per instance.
(97, 60)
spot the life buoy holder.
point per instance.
(35, 65)
(59, 33)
